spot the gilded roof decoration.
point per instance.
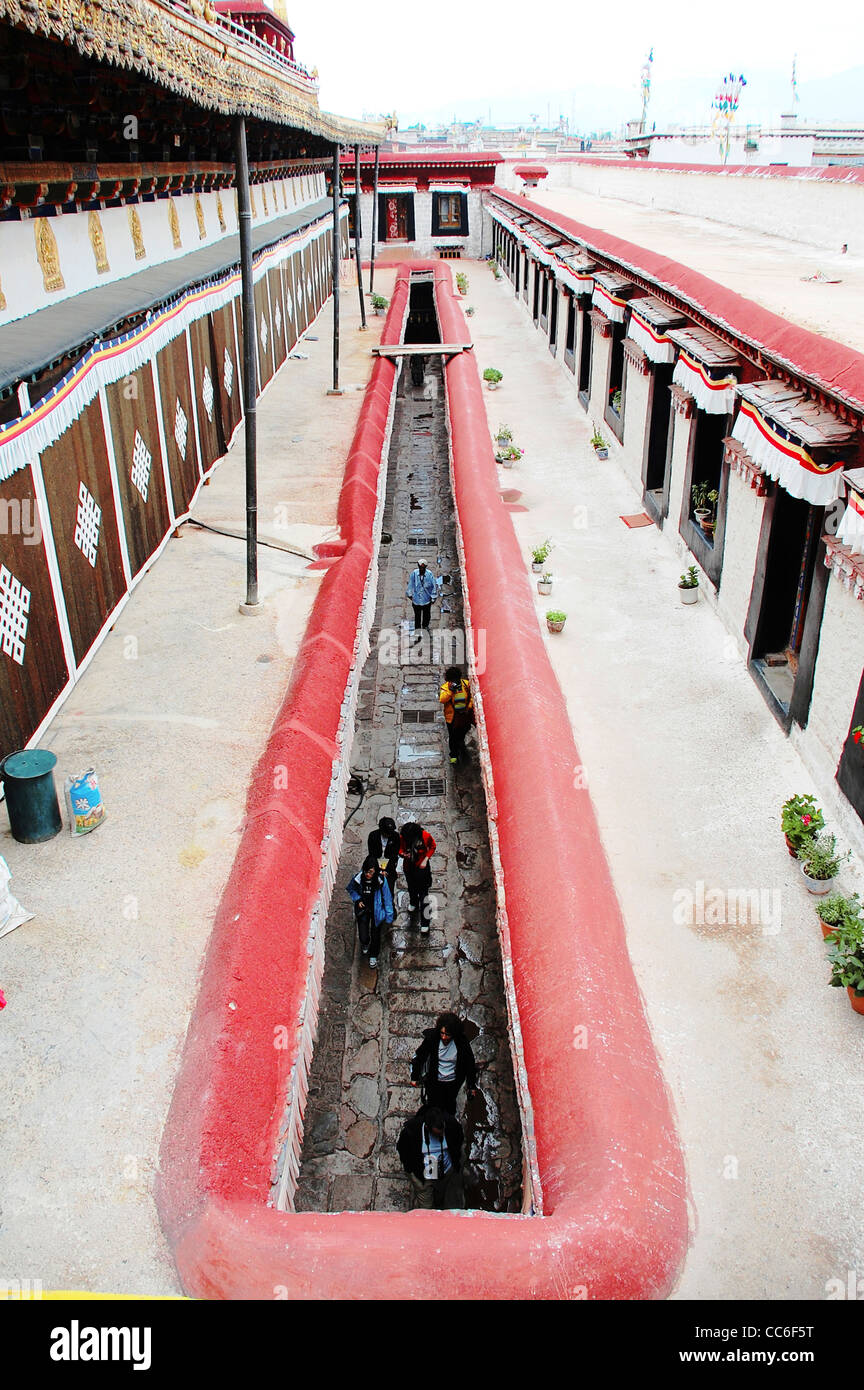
(200, 61)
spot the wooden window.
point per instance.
(450, 212)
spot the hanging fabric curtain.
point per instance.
(610, 304)
(783, 458)
(713, 389)
(655, 344)
(851, 528)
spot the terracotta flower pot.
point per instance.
(791, 848)
(555, 625)
(857, 1004)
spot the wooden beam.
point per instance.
(419, 349)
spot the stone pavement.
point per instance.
(372, 1021)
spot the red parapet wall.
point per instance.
(614, 1192)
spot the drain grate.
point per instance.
(418, 716)
(421, 786)
(423, 540)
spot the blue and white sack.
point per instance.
(84, 799)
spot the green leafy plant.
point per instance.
(704, 498)
(846, 954)
(461, 282)
(545, 577)
(597, 440)
(555, 615)
(819, 857)
(504, 433)
(616, 402)
(837, 910)
(800, 819)
(379, 302)
(858, 732)
(689, 579)
(469, 312)
(539, 553)
(492, 374)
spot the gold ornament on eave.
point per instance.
(97, 241)
(199, 213)
(174, 224)
(137, 235)
(48, 255)
(220, 213)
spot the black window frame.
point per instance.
(437, 228)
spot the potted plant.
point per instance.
(492, 377)
(820, 862)
(846, 958)
(555, 620)
(835, 910)
(503, 436)
(379, 304)
(469, 312)
(544, 583)
(461, 282)
(800, 818)
(704, 500)
(688, 585)
(599, 445)
(539, 555)
(616, 402)
(508, 455)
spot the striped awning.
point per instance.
(851, 528)
(610, 296)
(815, 475)
(650, 321)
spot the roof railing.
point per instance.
(247, 36)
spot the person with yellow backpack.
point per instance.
(455, 696)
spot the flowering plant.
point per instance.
(858, 732)
(800, 818)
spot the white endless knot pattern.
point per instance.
(207, 393)
(277, 318)
(264, 333)
(289, 303)
(87, 524)
(181, 428)
(308, 289)
(141, 462)
(228, 373)
(14, 607)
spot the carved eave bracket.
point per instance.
(739, 459)
(845, 565)
(682, 401)
(636, 357)
(602, 325)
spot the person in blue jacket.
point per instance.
(373, 904)
(422, 589)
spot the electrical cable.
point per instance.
(241, 536)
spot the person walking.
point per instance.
(383, 845)
(442, 1062)
(455, 696)
(373, 905)
(422, 589)
(416, 847)
(430, 1147)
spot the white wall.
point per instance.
(473, 246)
(21, 274)
(817, 212)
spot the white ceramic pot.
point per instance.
(688, 595)
(819, 886)
(544, 588)
(493, 385)
(537, 568)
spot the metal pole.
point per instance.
(336, 267)
(357, 235)
(250, 383)
(374, 221)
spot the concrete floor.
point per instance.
(173, 713)
(688, 770)
(767, 269)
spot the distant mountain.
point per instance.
(595, 107)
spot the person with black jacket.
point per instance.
(442, 1062)
(430, 1147)
(383, 845)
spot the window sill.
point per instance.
(615, 423)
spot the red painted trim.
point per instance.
(805, 173)
(610, 1163)
(830, 365)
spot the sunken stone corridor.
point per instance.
(371, 1022)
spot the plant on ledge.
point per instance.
(379, 303)
(820, 862)
(837, 910)
(492, 377)
(800, 818)
(504, 435)
(689, 579)
(555, 620)
(858, 732)
(846, 958)
(616, 402)
(598, 443)
(539, 554)
(704, 499)
(461, 282)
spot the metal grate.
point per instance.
(423, 540)
(423, 786)
(418, 716)
(449, 253)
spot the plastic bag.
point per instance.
(84, 799)
(12, 914)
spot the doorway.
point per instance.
(790, 562)
(657, 438)
(584, 383)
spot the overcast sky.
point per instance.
(421, 58)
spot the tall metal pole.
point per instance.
(357, 235)
(250, 382)
(336, 247)
(374, 221)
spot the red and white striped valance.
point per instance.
(785, 460)
(656, 346)
(610, 304)
(713, 394)
(851, 528)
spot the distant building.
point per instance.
(788, 143)
(428, 202)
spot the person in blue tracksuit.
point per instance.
(422, 589)
(373, 905)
